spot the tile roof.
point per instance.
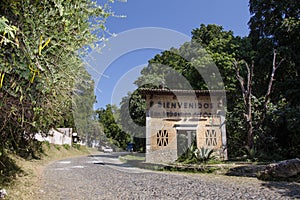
(149, 91)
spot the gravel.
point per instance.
(103, 176)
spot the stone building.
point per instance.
(176, 119)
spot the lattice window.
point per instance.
(162, 138)
(211, 137)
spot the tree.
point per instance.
(179, 69)
(261, 101)
(276, 25)
(246, 85)
(278, 21)
(41, 43)
(83, 100)
(109, 118)
(210, 45)
(133, 119)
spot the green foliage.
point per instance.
(9, 32)
(8, 169)
(87, 127)
(210, 44)
(197, 55)
(66, 146)
(40, 64)
(189, 155)
(30, 149)
(109, 118)
(132, 119)
(276, 26)
(76, 146)
(276, 135)
(203, 155)
(47, 144)
(58, 147)
(281, 124)
(195, 155)
(251, 154)
(223, 47)
(277, 21)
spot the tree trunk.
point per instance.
(247, 93)
(246, 87)
(250, 139)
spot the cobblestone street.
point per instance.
(103, 176)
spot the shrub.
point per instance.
(47, 143)
(76, 146)
(66, 146)
(57, 146)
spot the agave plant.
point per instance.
(203, 154)
(188, 155)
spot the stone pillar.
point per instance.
(223, 133)
(148, 134)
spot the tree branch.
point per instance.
(241, 81)
(274, 68)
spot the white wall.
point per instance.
(60, 136)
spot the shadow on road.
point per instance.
(127, 165)
(103, 156)
(286, 189)
(112, 159)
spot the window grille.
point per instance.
(162, 138)
(211, 137)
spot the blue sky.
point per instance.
(179, 15)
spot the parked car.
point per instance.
(107, 149)
(130, 147)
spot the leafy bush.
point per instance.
(76, 146)
(47, 144)
(41, 65)
(56, 146)
(66, 146)
(8, 169)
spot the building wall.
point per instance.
(162, 141)
(166, 115)
(62, 136)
